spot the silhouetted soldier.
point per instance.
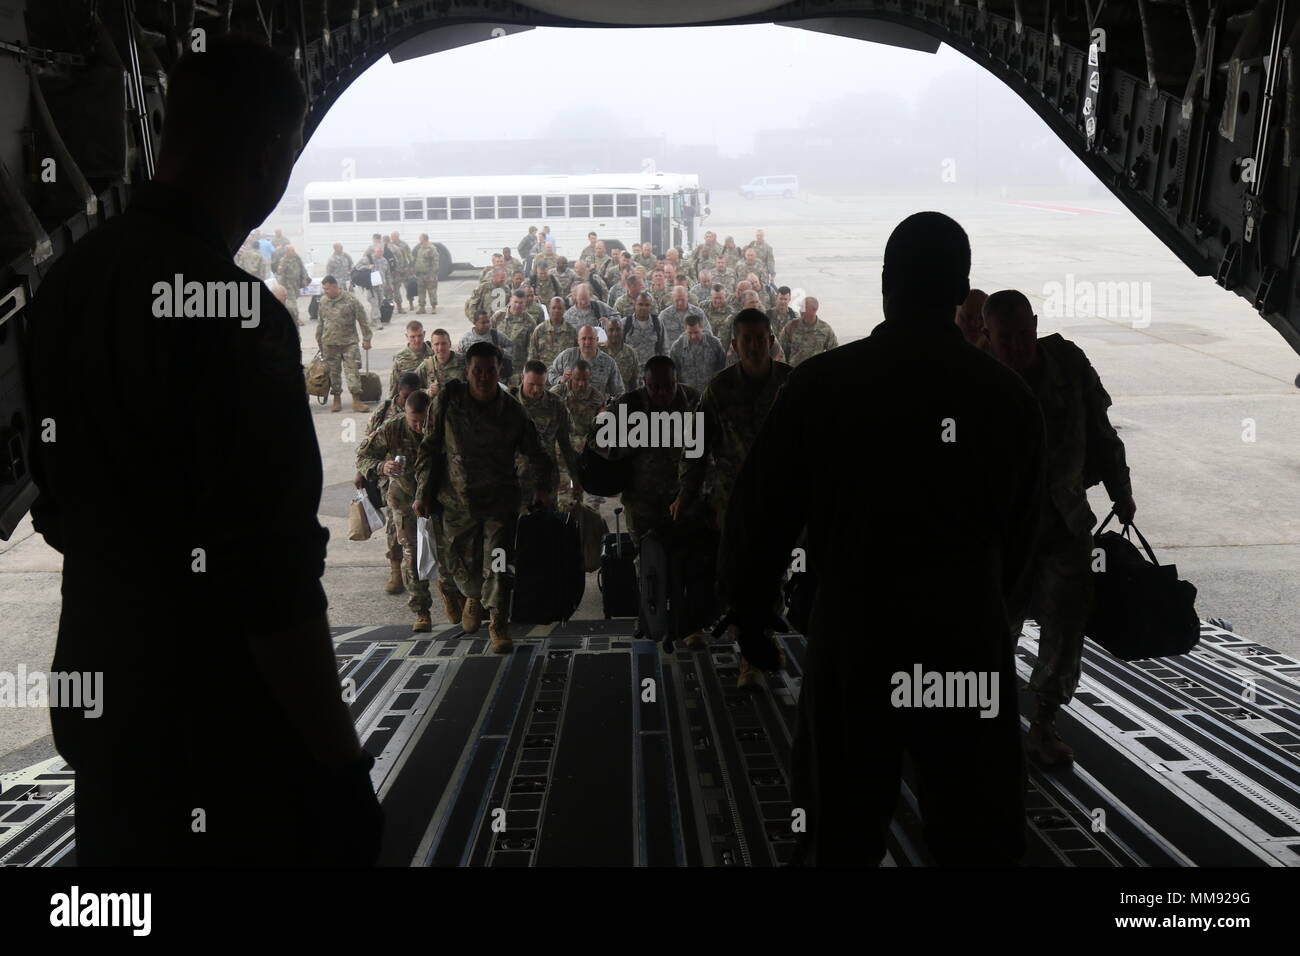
(1082, 449)
(915, 553)
(191, 577)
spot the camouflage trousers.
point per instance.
(428, 287)
(291, 303)
(394, 552)
(417, 591)
(1060, 585)
(399, 290)
(341, 360)
(480, 552)
(643, 517)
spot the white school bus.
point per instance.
(471, 217)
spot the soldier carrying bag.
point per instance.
(1141, 610)
(438, 427)
(361, 277)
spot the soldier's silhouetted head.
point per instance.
(927, 267)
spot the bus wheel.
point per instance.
(444, 262)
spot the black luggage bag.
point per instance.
(1140, 609)
(549, 574)
(619, 594)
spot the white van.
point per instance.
(783, 186)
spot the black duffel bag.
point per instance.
(361, 277)
(598, 475)
(1141, 609)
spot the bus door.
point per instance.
(656, 221)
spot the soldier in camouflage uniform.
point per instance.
(734, 404)
(480, 429)
(588, 253)
(682, 267)
(765, 255)
(643, 332)
(390, 409)
(498, 262)
(731, 252)
(698, 355)
(724, 275)
(336, 335)
(410, 358)
(727, 332)
(752, 264)
(442, 366)
(374, 260)
(624, 355)
(553, 336)
(517, 326)
(647, 260)
(249, 258)
(492, 296)
(564, 276)
(660, 291)
(546, 257)
(401, 269)
(717, 310)
(583, 275)
(1082, 448)
(513, 266)
(292, 275)
(707, 251)
(581, 400)
(625, 305)
(551, 417)
(672, 320)
(425, 262)
(653, 485)
(808, 337)
(402, 436)
(781, 314)
(532, 308)
(339, 265)
(545, 285)
(605, 375)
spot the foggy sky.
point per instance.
(526, 85)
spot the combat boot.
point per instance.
(499, 631)
(749, 678)
(338, 403)
(471, 619)
(423, 622)
(1043, 743)
(357, 404)
(453, 604)
(433, 310)
(394, 585)
(420, 311)
(401, 310)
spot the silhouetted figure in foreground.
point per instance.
(915, 462)
(192, 551)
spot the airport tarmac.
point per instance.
(1203, 391)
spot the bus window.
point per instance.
(532, 207)
(460, 207)
(366, 210)
(485, 207)
(318, 210)
(390, 210)
(626, 205)
(554, 207)
(580, 206)
(437, 207)
(602, 205)
(343, 210)
(507, 207)
(412, 208)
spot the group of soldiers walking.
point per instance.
(477, 454)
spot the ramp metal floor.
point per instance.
(587, 748)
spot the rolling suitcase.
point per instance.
(549, 576)
(371, 388)
(619, 594)
(386, 311)
(656, 617)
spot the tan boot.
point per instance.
(471, 619)
(1043, 743)
(357, 404)
(499, 631)
(394, 585)
(423, 623)
(696, 641)
(420, 311)
(750, 676)
(453, 604)
(433, 310)
(338, 403)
